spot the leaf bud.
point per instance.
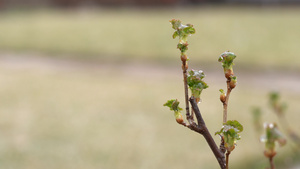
(185, 66)
(179, 118)
(228, 73)
(229, 147)
(198, 100)
(182, 46)
(233, 82)
(183, 58)
(269, 154)
(175, 23)
(222, 96)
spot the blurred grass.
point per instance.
(260, 36)
(113, 118)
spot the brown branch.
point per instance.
(225, 104)
(222, 145)
(271, 162)
(186, 92)
(227, 158)
(206, 134)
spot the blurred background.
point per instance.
(83, 82)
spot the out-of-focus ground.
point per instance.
(85, 88)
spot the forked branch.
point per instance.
(206, 134)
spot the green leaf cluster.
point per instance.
(182, 31)
(182, 47)
(195, 83)
(275, 104)
(173, 105)
(272, 135)
(226, 59)
(222, 91)
(230, 131)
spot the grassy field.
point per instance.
(111, 116)
(59, 113)
(260, 36)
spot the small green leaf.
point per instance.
(274, 96)
(175, 23)
(233, 78)
(235, 124)
(219, 132)
(173, 105)
(189, 30)
(175, 34)
(278, 107)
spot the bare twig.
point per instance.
(225, 104)
(206, 134)
(227, 158)
(186, 92)
(271, 162)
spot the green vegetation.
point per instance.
(260, 36)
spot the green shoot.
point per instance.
(196, 84)
(272, 135)
(226, 59)
(230, 132)
(174, 106)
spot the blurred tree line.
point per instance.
(74, 3)
(70, 3)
